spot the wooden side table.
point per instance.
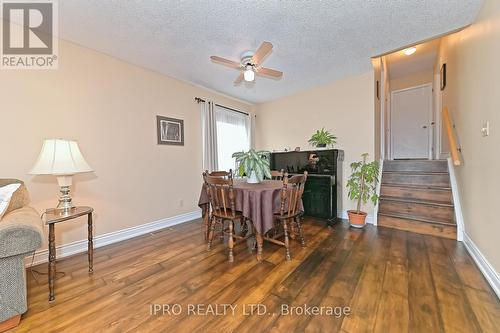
(55, 216)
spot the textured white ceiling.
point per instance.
(315, 42)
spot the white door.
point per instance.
(411, 115)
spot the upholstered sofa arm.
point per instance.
(20, 232)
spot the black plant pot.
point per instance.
(321, 145)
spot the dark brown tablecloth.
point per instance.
(258, 202)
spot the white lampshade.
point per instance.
(60, 157)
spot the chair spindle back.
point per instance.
(220, 194)
(291, 194)
(277, 174)
(223, 174)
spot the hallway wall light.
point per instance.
(409, 51)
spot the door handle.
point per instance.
(425, 126)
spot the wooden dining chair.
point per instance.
(277, 174)
(220, 193)
(223, 174)
(290, 212)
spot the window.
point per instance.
(233, 134)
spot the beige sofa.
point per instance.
(21, 232)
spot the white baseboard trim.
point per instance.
(379, 185)
(369, 217)
(459, 218)
(113, 237)
(488, 271)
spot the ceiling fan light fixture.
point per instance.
(249, 74)
(409, 51)
(250, 64)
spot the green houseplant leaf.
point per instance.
(253, 161)
(362, 183)
(322, 137)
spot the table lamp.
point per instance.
(61, 158)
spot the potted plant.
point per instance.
(362, 186)
(253, 165)
(322, 138)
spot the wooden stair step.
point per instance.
(417, 186)
(417, 201)
(417, 218)
(437, 179)
(416, 166)
(425, 211)
(416, 172)
(425, 193)
(416, 196)
(433, 228)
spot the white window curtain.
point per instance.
(224, 131)
(209, 136)
(233, 135)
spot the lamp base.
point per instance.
(65, 202)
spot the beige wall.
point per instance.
(345, 107)
(472, 96)
(412, 80)
(109, 107)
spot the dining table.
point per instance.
(259, 202)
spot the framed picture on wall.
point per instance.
(443, 76)
(170, 131)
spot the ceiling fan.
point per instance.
(250, 64)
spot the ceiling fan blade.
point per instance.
(263, 50)
(238, 79)
(270, 72)
(226, 62)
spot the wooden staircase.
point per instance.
(416, 196)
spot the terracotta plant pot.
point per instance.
(356, 220)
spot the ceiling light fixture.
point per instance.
(409, 51)
(249, 74)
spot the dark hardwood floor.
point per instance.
(386, 280)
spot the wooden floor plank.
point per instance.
(393, 310)
(256, 296)
(480, 295)
(302, 287)
(158, 289)
(390, 279)
(422, 298)
(340, 292)
(366, 298)
(455, 309)
(201, 295)
(318, 283)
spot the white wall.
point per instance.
(415, 79)
(472, 96)
(109, 107)
(346, 107)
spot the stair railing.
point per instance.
(455, 150)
